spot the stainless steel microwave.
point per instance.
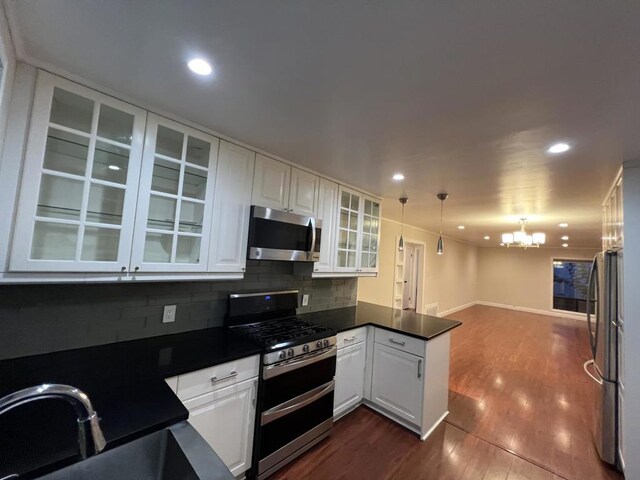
(278, 235)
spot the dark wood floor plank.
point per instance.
(520, 409)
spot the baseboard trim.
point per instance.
(456, 309)
(551, 313)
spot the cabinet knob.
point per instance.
(136, 269)
(123, 269)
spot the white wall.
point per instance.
(450, 279)
(520, 278)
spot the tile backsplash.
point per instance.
(46, 318)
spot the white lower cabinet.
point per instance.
(397, 383)
(350, 367)
(400, 376)
(225, 419)
(225, 415)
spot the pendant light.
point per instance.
(442, 197)
(403, 201)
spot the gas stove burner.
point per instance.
(283, 332)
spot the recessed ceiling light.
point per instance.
(563, 225)
(487, 237)
(460, 227)
(200, 66)
(559, 147)
(564, 237)
(565, 245)
(398, 177)
(113, 167)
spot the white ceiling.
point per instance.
(460, 96)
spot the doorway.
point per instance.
(410, 288)
(408, 281)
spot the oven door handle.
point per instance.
(297, 403)
(280, 368)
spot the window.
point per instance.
(570, 283)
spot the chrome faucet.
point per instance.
(89, 444)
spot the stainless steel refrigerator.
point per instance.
(602, 320)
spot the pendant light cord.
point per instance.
(441, 205)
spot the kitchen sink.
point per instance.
(175, 453)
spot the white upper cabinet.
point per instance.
(80, 181)
(112, 192)
(327, 211)
(303, 194)
(231, 205)
(358, 232)
(283, 187)
(173, 218)
(271, 183)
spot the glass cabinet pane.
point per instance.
(71, 110)
(115, 125)
(66, 152)
(346, 198)
(191, 217)
(110, 163)
(100, 244)
(162, 213)
(169, 142)
(105, 204)
(60, 197)
(157, 247)
(198, 152)
(54, 241)
(166, 176)
(195, 183)
(188, 249)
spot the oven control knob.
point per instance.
(282, 355)
(305, 348)
(290, 352)
(319, 344)
(326, 343)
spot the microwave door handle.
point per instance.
(312, 224)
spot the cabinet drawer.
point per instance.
(351, 337)
(400, 341)
(213, 378)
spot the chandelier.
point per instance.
(522, 239)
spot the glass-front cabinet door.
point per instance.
(348, 231)
(358, 232)
(370, 235)
(173, 220)
(78, 194)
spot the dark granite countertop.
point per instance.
(125, 382)
(410, 323)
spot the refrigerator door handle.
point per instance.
(593, 279)
(586, 369)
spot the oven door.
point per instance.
(278, 235)
(297, 407)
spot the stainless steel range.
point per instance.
(295, 407)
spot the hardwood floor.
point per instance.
(520, 408)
